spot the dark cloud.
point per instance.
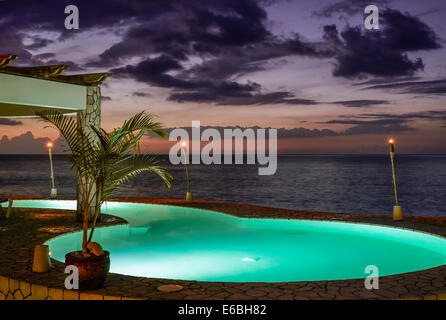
(304, 133)
(434, 115)
(243, 98)
(22, 19)
(48, 15)
(279, 97)
(432, 87)
(216, 92)
(47, 58)
(282, 133)
(222, 68)
(348, 7)
(232, 39)
(360, 127)
(106, 98)
(153, 71)
(199, 97)
(191, 28)
(404, 32)
(388, 80)
(141, 94)
(360, 103)
(385, 122)
(9, 122)
(296, 45)
(357, 53)
(245, 24)
(362, 55)
(200, 48)
(366, 128)
(207, 82)
(27, 144)
(381, 52)
(156, 66)
(379, 126)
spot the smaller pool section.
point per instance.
(191, 244)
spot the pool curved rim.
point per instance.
(394, 285)
(443, 237)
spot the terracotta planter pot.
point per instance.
(92, 269)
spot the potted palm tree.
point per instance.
(104, 162)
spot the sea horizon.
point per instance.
(347, 183)
(279, 154)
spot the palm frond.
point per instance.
(108, 160)
(134, 165)
(145, 122)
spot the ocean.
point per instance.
(334, 183)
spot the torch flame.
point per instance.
(49, 145)
(391, 141)
(183, 144)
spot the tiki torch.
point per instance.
(189, 196)
(53, 193)
(397, 210)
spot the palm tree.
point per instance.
(105, 161)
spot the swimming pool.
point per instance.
(163, 241)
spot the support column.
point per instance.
(85, 118)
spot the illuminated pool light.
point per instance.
(246, 259)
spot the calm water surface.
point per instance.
(190, 244)
(339, 183)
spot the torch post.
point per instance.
(53, 193)
(189, 195)
(397, 210)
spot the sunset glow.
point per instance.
(303, 67)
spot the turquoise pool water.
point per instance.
(192, 244)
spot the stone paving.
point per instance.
(30, 227)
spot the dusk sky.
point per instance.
(309, 68)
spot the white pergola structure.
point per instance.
(26, 90)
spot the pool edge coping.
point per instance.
(14, 284)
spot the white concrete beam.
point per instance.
(22, 96)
